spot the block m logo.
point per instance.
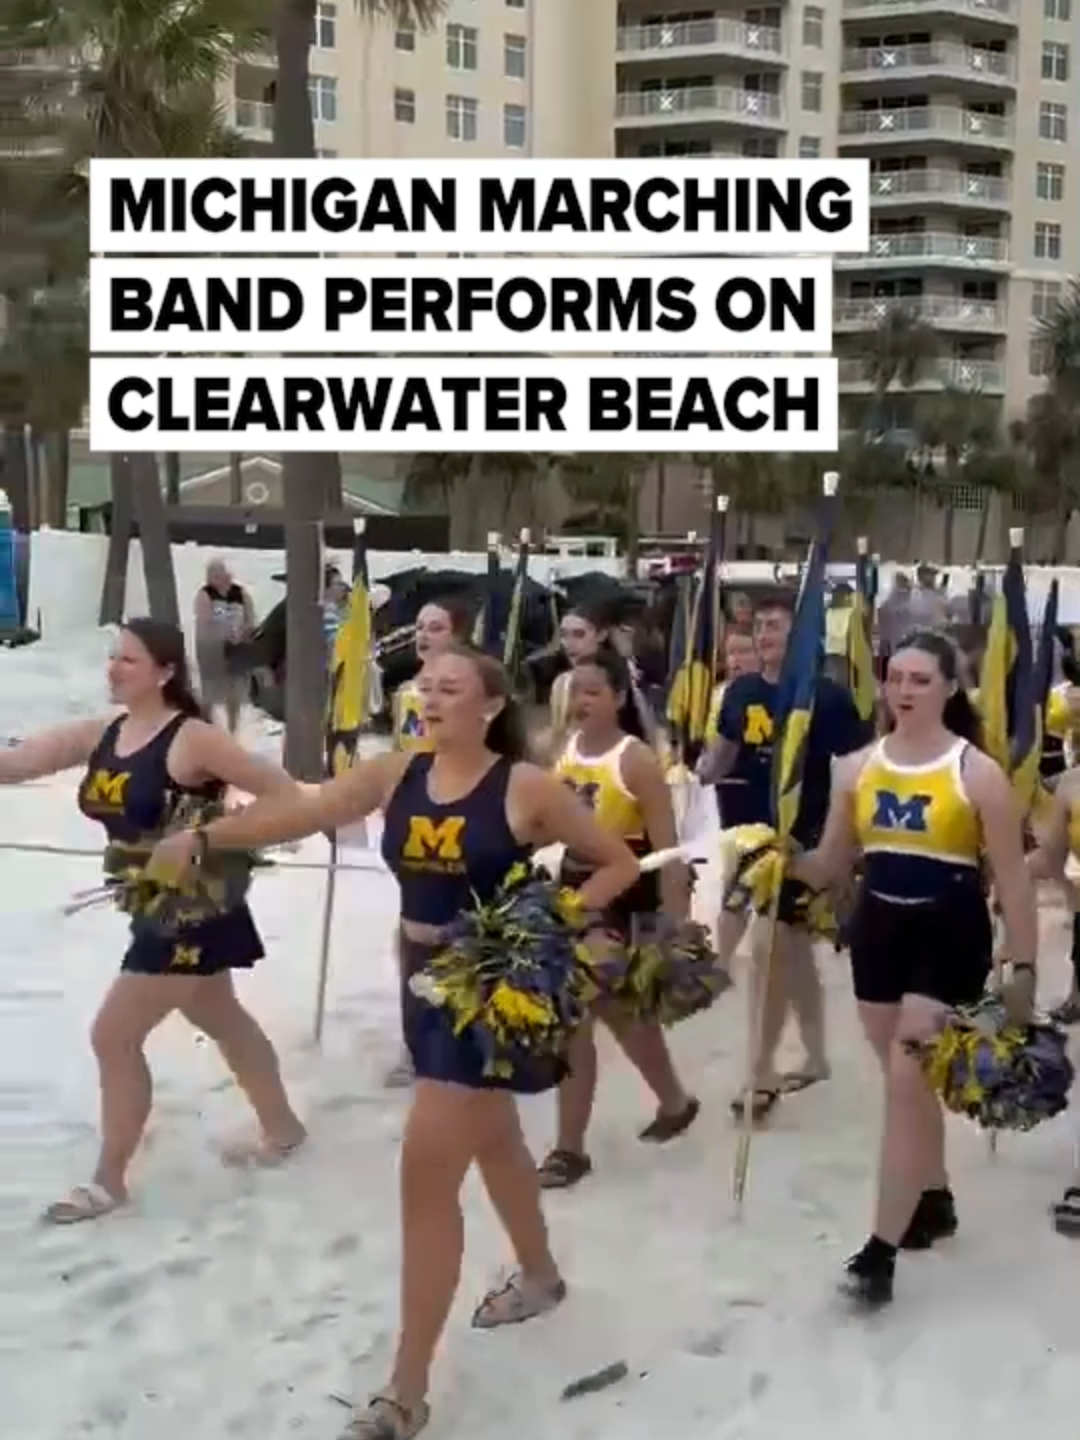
(428, 840)
(105, 789)
(892, 813)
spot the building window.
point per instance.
(760, 147)
(405, 107)
(514, 57)
(325, 25)
(1047, 240)
(809, 147)
(323, 92)
(813, 27)
(811, 91)
(1049, 181)
(1057, 9)
(462, 47)
(1038, 358)
(1045, 298)
(462, 117)
(405, 37)
(1053, 121)
(515, 127)
(1055, 61)
(515, 4)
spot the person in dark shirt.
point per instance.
(743, 751)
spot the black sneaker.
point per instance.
(934, 1219)
(868, 1276)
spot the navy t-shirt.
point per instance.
(747, 717)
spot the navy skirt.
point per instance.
(225, 942)
(438, 1054)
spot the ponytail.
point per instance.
(506, 733)
(961, 717)
(164, 643)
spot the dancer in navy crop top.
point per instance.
(136, 766)
(448, 856)
(456, 822)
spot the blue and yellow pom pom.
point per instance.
(1001, 1075)
(219, 884)
(668, 972)
(758, 874)
(515, 974)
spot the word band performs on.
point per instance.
(478, 405)
(626, 207)
(569, 306)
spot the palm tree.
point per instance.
(959, 432)
(309, 480)
(1051, 427)
(896, 353)
(142, 75)
(605, 488)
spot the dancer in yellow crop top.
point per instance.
(439, 625)
(622, 781)
(924, 807)
(1059, 840)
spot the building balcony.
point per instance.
(985, 376)
(929, 248)
(697, 40)
(941, 312)
(699, 105)
(919, 125)
(990, 13)
(926, 185)
(253, 118)
(966, 65)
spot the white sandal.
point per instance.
(85, 1202)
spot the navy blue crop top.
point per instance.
(449, 857)
(131, 795)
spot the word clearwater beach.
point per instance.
(460, 404)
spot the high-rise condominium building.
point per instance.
(969, 112)
(970, 120)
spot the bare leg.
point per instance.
(577, 1093)
(247, 1051)
(807, 1000)
(913, 1149)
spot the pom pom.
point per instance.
(667, 973)
(219, 884)
(1001, 1075)
(759, 873)
(515, 974)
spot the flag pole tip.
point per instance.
(493, 539)
(862, 545)
(721, 504)
(525, 537)
(1016, 538)
(359, 525)
(830, 482)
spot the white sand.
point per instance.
(227, 1306)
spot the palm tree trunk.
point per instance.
(122, 519)
(984, 529)
(149, 509)
(15, 477)
(172, 478)
(58, 468)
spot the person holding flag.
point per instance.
(744, 751)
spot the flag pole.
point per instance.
(830, 483)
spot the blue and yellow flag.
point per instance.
(678, 651)
(486, 628)
(690, 700)
(350, 675)
(798, 684)
(859, 648)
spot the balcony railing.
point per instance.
(1003, 10)
(939, 311)
(254, 115)
(701, 35)
(684, 104)
(924, 183)
(883, 60)
(931, 247)
(921, 121)
(986, 375)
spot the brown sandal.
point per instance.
(517, 1301)
(387, 1419)
(762, 1103)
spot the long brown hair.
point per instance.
(165, 645)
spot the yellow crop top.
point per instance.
(597, 779)
(409, 720)
(915, 824)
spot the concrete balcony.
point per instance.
(941, 312)
(988, 13)
(699, 105)
(920, 247)
(969, 66)
(697, 40)
(948, 124)
(985, 376)
(924, 186)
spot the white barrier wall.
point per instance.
(67, 570)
